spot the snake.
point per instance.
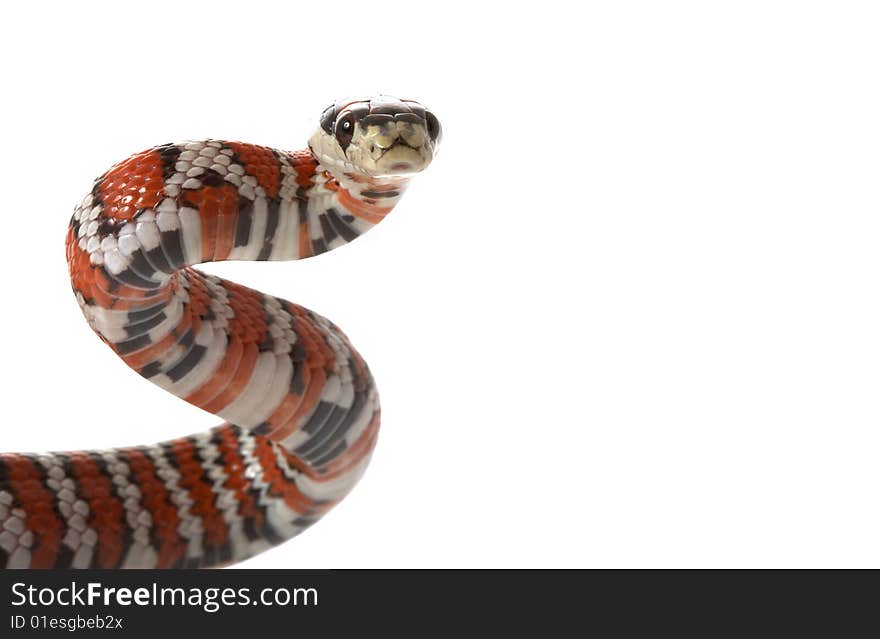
(299, 405)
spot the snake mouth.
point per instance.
(399, 143)
(401, 158)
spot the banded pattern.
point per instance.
(301, 408)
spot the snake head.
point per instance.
(381, 136)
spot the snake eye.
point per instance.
(345, 130)
(433, 126)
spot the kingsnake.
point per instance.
(300, 405)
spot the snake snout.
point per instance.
(386, 135)
(399, 146)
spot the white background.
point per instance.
(629, 317)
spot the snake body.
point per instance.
(300, 406)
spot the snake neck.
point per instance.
(353, 195)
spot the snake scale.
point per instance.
(300, 406)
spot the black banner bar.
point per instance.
(414, 603)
